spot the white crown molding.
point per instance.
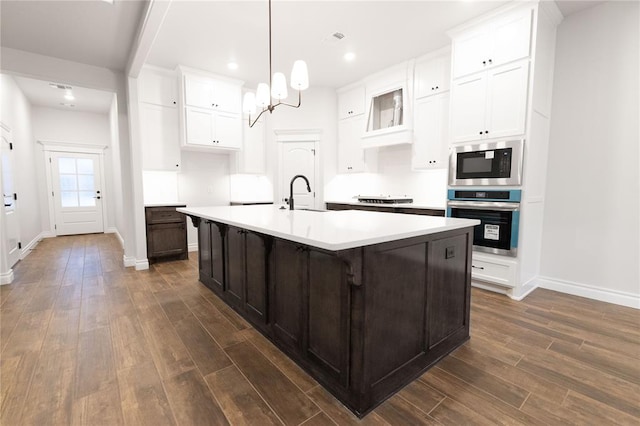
(58, 146)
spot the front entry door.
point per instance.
(298, 158)
(10, 211)
(77, 193)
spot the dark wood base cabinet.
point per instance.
(166, 233)
(364, 322)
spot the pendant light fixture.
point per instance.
(268, 98)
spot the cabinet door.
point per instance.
(327, 343)
(158, 89)
(511, 38)
(350, 152)
(257, 252)
(228, 133)
(471, 51)
(218, 253)
(468, 103)
(166, 239)
(234, 288)
(226, 97)
(200, 126)
(432, 77)
(447, 288)
(430, 133)
(351, 103)
(286, 301)
(159, 131)
(198, 92)
(507, 99)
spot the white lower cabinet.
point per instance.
(207, 128)
(352, 158)
(490, 104)
(430, 143)
(160, 137)
(494, 269)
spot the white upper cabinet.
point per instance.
(352, 158)
(351, 103)
(490, 104)
(210, 111)
(158, 87)
(432, 76)
(430, 145)
(501, 41)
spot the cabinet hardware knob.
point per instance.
(486, 132)
(480, 131)
(437, 87)
(433, 88)
(484, 62)
(177, 165)
(490, 61)
(174, 102)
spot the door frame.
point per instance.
(299, 135)
(6, 270)
(71, 148)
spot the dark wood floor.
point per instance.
(85, 341)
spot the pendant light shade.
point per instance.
(262, 95)
(268, 98)
(300, 75)
(249, 103)
(279, 86)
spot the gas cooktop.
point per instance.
(384, 199)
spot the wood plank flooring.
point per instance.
(86, 341)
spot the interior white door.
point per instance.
(77, 193)
(298, 158)
(10, 211)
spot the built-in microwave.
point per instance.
(487, 164)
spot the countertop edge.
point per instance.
(394, 205)
(321, 244)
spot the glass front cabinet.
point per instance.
(387, 119)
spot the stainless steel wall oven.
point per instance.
(498, 212)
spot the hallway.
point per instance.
(86, 341)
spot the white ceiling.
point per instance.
(40, 93)
(92, 32)
(208, 34)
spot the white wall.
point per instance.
(76, 74)
(16, 112)
(115, 157)
(77, 127)
(591, 219)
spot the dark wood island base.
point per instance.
(364, 322)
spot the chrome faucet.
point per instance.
(291, 188)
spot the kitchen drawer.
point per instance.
(424, 212)
(156, 215)
(493, 269)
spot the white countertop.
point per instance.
(329, 230)
(414, 205)
(165, 204)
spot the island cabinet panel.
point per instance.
(289, 264)
(447, 289)
(257, 248)
(395, 298)
(211, 248)
(328, 313)
(234, 287)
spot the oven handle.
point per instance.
(485, 205)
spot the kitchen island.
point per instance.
(363, 301)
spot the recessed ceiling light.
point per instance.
(69, 96)
(232, 65)
(349, 56)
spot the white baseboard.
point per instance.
(114, 230)
(24, 252)
(578, 289)
(142, 265)
(128, 261)
(6, 277)
(192, 247)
